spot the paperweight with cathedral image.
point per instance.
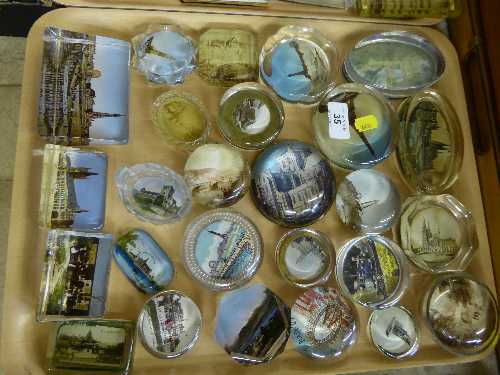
(84, 88)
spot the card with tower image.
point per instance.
(73, 189)
(75, 275)
(84, 88)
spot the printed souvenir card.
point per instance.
(83, 89)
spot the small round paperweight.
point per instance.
(305, 257)
(218, 175)
(169, 324)
(461, 314)
(298, 63)
(222, 249)
(324, 324)
(372, 271)
(181, 120)
(153, 193)
(394, 332)
(368, 201)
(355, 127)
(251, 116)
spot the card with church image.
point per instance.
(73, 193)
(84, 89)
(75, 275)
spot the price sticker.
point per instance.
(338, 121)
(365, 123)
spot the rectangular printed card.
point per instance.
(75, 276)
(103, 346)
(73, 193)
(84, 89)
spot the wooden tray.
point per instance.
(23, 341)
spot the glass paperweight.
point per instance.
(73, 191)
(143, 261)
(153, 193)
(251, 116)
(252, 325)
(217, 174)
(324, 324)
(102, 346)
(355, 127)
(368, 201)
(462, 314)
(181, 120)
(169, 324)
(437, 233)
(305, 257)
(164, 54)
(222, 249)
(394, 332)
(398, 63)
(298, 63)
(84, 72)
(431, 145)
(227, 57)
(372, 271)
(75, 275)
(292, 184)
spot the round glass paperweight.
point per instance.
(218, 175)
(222, 249)
(437, 233)
(181, 120)
(394, 332)
(305, 257)
(251, 116)
(355, 127)
(298, 63)
(372, 271)
(169, 324)
(462, 314)
(324, 324)
(164, 54)
(153, 193)
(368, 201)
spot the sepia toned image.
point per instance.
(84, 89)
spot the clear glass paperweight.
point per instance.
(143, 261)
(181, 120)
(75, 275)
(251, 116)
(431, 144)
(355, 127)
(169, 324)
(222, 249)
(73, 191)
(372, 271)
(252, 324)
(164, 54)
(84, 88)
(228, 56)
(368, 201)
(437, 233)
(298, 63)
(102, 346)
(398, 63)
(217, 174)
(305, 257)
(462, 314)
(153, 193)
(324, 324)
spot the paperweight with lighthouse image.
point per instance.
(73, 188)
(222, 249)
(169, 324)
(84, 88)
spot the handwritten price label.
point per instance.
(338, 121)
